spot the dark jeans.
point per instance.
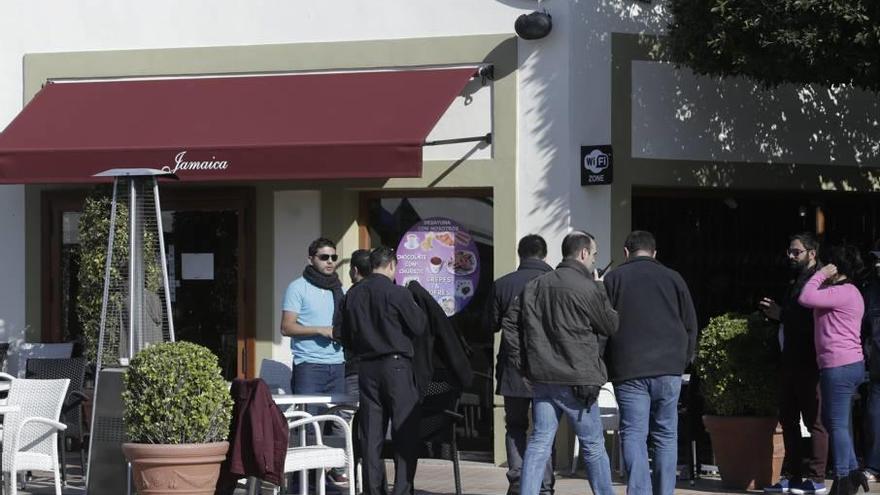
(319, 379)
(516, 422)
(872, 426)
(799, 395)
(649, 407)
(839, 385)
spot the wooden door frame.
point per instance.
(173, 197)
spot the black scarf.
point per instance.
(328, 282)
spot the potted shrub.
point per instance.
(736, 363)
(177, 416)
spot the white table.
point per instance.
(299, 400)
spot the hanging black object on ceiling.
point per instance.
(533, 26)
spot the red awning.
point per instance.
(304, 126)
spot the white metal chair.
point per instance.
(610, 415)
(312, 453)
(30, 429)
(16, 363)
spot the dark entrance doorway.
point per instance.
(730, 246)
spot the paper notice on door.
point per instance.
(197, 266)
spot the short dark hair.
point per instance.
(575, 241)
(360, 261)
(847, 259)
(532, 246)
(320, 242)
(382, 256)
(807, 239)
(640, 240)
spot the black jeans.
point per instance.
(516, 422)
(799, 394)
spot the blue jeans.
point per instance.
(838, 386)
(872, 426)
(548, 405)
(649, 406)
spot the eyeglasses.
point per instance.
(795, 252)
(325, 257)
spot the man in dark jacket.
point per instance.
(517, 392)
(646, 357)
(803, 470)
(563, 317)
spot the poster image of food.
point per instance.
(442, 256)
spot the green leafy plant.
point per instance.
(736, 364)
(176, 394)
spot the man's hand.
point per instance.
(325, 332)
(586, 394)
(829, 270)
(770, 308)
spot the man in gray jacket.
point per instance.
(564, 318)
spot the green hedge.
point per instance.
(736, 364)
(175, 394)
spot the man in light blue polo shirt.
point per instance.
(310, 305)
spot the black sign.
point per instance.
(596, 165)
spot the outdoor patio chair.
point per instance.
(609, 413)
(276, 375)
(313, 453)
(30, 429)
(73, 369)
(16, 363)
(437, 426)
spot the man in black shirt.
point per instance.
(379, 320)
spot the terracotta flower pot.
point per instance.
(160, 469)
(743, 448)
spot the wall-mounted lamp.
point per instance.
(533, 26)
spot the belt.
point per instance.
(386, 356)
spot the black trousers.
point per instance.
(516, 422)
(388, 390)
(799, 395)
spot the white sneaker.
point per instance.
(871, 475)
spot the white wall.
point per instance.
(297, 223)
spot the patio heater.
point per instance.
(135, 313)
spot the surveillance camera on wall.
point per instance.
(533, 26)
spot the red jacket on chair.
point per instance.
(257, 438)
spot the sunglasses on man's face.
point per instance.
(325, 257)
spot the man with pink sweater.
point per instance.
(838, 308)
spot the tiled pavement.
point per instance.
(435, 478)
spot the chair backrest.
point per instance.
(17, 362)
(34, 398)
(73, 369)
(276, 375)
(607, 399)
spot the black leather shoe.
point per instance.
(842, 486)
(858, 480)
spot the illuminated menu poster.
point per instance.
(443, 258)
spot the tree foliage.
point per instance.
(829, 42)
